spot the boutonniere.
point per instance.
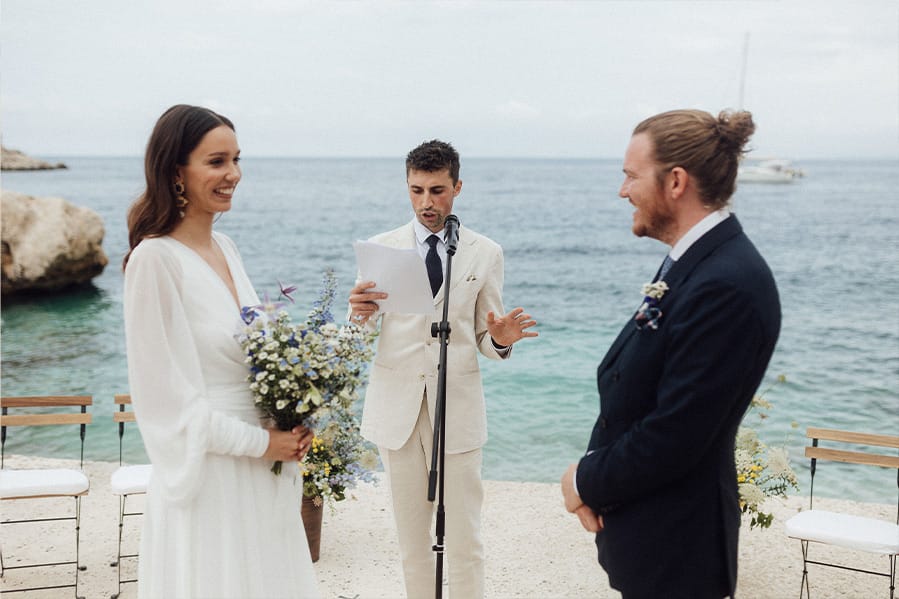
(649, 314)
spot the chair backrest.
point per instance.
(121, 416)
(28, 418)
(868, 457)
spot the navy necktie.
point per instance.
(666, 266)
(432, 262)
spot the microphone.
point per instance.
(452, 234)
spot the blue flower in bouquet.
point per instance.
(320, 315)
(297, 371)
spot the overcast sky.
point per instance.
(506, 79)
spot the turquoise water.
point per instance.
(831, 240)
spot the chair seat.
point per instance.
(50, 482)
(127, 480)
(845, 530)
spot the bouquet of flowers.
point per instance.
(298, 372)
(762, 471)
(338, 460)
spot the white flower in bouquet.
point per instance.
(298, 370)
(762, 472)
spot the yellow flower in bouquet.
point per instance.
(762, 471)
(338, 460)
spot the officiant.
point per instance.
(399, 408)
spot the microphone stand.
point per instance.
(440, 330)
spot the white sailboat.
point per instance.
(772, 170)
(762, 170)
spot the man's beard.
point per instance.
(660, 225)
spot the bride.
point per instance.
(218, 523)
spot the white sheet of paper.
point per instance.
(400, 273)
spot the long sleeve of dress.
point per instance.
(168, 390)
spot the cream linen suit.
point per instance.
(394, 416)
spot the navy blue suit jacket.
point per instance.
(660, 462)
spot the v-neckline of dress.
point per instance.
(217, 276)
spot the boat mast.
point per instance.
(743, 70)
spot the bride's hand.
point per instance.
(288, 445)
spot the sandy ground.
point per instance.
(534, 548)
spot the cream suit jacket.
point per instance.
(405, 363)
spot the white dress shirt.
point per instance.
(708, 223)
(421, 236)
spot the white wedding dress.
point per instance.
(218, 523)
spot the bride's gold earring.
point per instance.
(180, 200)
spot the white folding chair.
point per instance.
(125, 482)
(44, 483)
(847, 530)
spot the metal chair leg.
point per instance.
(803, 586)
(892, 576)
(78, 566)
(122, 499)
(77, 561)
(123, 513)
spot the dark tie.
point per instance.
(666, 266)
(432, 261)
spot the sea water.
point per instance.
(571, 261)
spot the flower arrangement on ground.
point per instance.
(762, 471)
(298, 373)
(338, 460)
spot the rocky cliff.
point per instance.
(14, 160)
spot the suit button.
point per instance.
(615, 376)
(603, 423)
(421, 377)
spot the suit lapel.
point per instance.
(466, 252)
(679, 272)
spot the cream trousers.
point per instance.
(407, 470)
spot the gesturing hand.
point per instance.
(510, 328)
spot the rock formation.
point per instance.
(48, 244)
(14, 160)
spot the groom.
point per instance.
(402, 390)
(658, 482)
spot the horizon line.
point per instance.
(855, 158)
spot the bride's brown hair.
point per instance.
(177, 132)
